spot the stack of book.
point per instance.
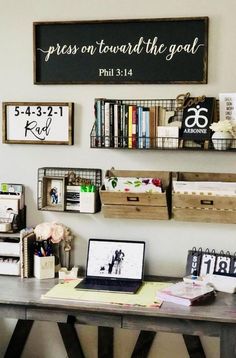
(122, 125)
(186, 294)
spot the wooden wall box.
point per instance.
(201, 207)
(131, 205)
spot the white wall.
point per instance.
(168, 241)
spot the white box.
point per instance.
(9, 249)
(10, 267)
(168, 137)
(44, 267)
(87, 202)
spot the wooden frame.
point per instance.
(37, 123)
(166, 50)
(53, 193)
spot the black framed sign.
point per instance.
(121, 51)
(37, 123)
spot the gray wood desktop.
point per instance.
(21, 299)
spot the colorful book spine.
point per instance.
(139, 120)
(107, 124)
(147, 119)
(130, 126)
(134, 126)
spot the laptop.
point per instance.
(114, 265)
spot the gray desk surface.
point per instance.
(21, 298)
(27, 292)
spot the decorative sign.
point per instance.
(37, 123)
(121, 51)
(227, 106)
(197, 117)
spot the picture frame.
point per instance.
(53, 193)
(174, 50)
(38, 123)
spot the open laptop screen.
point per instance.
(115, 259)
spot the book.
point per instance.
(134, 126)
(28, 244)
(186, 294)
(107, 132)
(124, 115)
(152, 126)
(98, 122)
(116, 126)
(140, 128)
(130, 125)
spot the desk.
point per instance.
(20, 299)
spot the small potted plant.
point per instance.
(223, 134)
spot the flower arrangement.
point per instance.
(222, 126)
(55, 232)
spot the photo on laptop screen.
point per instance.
(115, 259)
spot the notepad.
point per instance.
(65, 291)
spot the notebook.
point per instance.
(114, 265)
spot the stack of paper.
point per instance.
(205, 187)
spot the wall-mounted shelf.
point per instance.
(110, 130)
(69, 189)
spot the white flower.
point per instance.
(222, 126)
(54, 231)
(43, 231)
(58, 232)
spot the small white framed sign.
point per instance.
(37, 123)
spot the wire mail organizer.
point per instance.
(69, 189)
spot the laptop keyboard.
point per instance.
(104, 282)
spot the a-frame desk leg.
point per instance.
(194, 346)
(105, 342)
(70, 340)
(143, 344)
(18, 338)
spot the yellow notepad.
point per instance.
(146, 296)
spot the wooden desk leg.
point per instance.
(143, 344)
(18, 338)
(228, 341)
(194, 346)
(105, 342)
(70, 340)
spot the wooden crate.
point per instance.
(204, 208)
(128, 205)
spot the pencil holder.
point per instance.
(44, 267)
